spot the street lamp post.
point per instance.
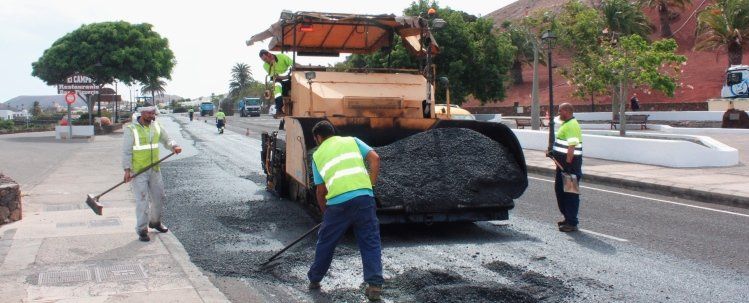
(548, 38)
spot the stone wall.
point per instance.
(10, 200)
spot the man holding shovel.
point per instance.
(346, 198)
(567, 151)
(141, 149)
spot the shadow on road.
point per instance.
(407, 235)
(592, 243)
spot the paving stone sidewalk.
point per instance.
(62, 252)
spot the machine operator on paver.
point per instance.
(379, 106)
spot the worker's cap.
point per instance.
(150, 109)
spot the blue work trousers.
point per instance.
(359, 213)
(569, 204)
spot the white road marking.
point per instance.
(653, 199)
(603, 235)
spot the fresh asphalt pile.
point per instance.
(442, 168)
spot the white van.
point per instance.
(737, 82)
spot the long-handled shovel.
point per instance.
(290, 245)
(93, 201)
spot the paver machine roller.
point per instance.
(379, 106)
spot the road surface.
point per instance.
(633, 247)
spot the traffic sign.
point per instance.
(70, 98)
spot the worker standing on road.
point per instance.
(277, 65)
(568, 151)
(190, 113)
(346, 198)
(220, 121)
(140, 149)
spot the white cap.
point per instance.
(147, 109)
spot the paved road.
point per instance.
(633, 249)
(241, 125)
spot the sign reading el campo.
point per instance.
(79, 83)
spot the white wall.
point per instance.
(6, 114)
(658, 116)
(670, 153)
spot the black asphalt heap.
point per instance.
(443, 168)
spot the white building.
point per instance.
(6, 114)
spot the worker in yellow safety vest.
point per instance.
(346, 197)
(276, 66)
(568, 152)
(220, 121)
(141, 149)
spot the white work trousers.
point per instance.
(150, 198)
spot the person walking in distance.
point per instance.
(345, 195)
(568, 151)
(220, 121)
(190, 113)
(141, 148)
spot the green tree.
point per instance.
(579, 30)
(36, 109)
(475, 59)
(623, 18)
(636, 62)
(724, 24)
(154, 86)
(106, 52)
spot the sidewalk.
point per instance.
(62, 252)
(722, 185)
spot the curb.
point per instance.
(655, 188)
(207, 291)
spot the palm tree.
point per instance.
(624, 18)
(155, 86)
(241, 79)
(664, 12)
(724, 24)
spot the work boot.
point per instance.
(568, 228)
(373, 292)
(158, 226)
(560, 223)
(143, 235)
(313, 285)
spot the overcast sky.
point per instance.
(207, 37)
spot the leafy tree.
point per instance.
(635, 61)
(154, 86)
(579, 30)
(724, 24)
(474, 58)
(624, 18)
(36, 110)
(106, 52)
(527, 48)
(664, 12)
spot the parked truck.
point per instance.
(249, 107)
(379, 106)
(206, 109)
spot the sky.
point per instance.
(207, 37)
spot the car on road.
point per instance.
(456, 112)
